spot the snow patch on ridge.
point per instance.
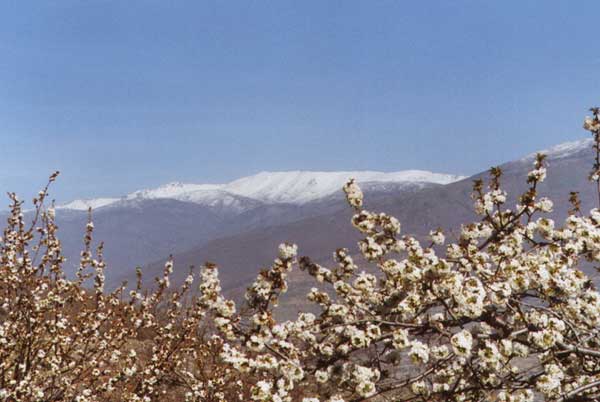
(304, 186)
(172, 190)
(84, 205)
(297, 187)
(564, 150)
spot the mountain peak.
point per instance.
(565, 149)
(296, 187)
(300, 186)
(84, 205)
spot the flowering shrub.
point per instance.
(62, 342)
(501, 314)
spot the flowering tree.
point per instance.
(501, 314)
(62, 342)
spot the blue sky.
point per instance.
(126, 95)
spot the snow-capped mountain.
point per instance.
(299, 187)
(83, 205)
(242, 255)
(294, 187)
(239, 224)
(147, 225)
(172, 190)
(565, 149)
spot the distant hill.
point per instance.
(148, 225)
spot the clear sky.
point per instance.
(123, 95)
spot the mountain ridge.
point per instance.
(293, 187)
(242, 255)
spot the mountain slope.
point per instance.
(241, 256)
(148, 225)
(263, 220)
